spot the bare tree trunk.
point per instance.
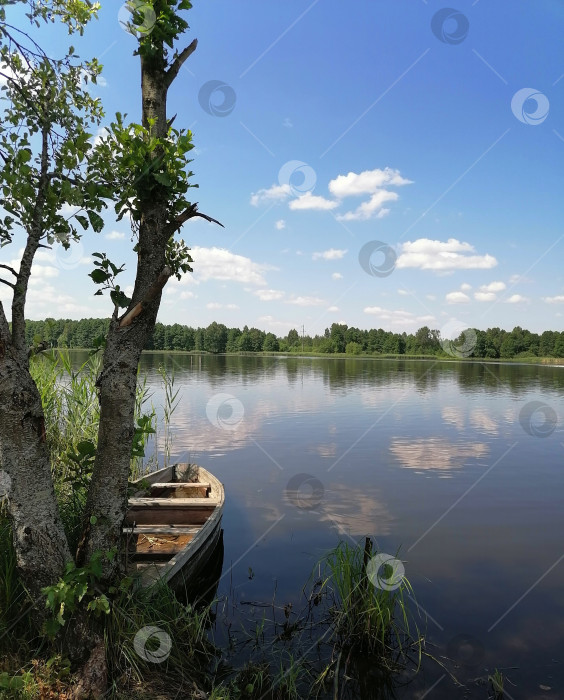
(39, 538)
(41, 546)
(128, 335)
(107, 496)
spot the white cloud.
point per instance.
(280, 224)
(371, 208)
(276, 193)
(403, 292)
(42, 298)
(187, 295)
(306, 301)
(333, 309)
(554, 300)
(115, 236)
(398, 317)
(271, 322)
(366, 182)
(493, 287)
(516, 278)
(457, 298)
(427, 254)
(44, 271)
(216, 305)
(515, 299)
(331, 254)
(38, 271)
(221, 264)
(311, 201)
(431, 297)
(466, 287)
(337, 276)
(269, 294)
(484, 296)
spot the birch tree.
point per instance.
(46, 162)
(44, 142)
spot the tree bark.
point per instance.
(39, 539)
(107, 496)
(40, 543)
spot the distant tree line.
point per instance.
(339, 338)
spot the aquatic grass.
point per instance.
(171, 401)
(264, 681)
(367, 619)
(496, 682)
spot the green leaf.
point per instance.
(93, 520)
(96, 221)
(120, 299)
(82, 220)
(163, 178)
(86, 447)
(99, 276)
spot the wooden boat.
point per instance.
(173, 524)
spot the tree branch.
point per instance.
(13, 286)
(10, 269)
(155, 288)
(34, 236)
(172, 72)
(61, 176)
(189, 213)
(4, 329)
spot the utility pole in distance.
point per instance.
(303, 331)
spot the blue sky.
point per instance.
(341, 124)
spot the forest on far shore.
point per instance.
(339, 338)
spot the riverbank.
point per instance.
(556, 361)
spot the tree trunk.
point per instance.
(39, 538)
(107, 495)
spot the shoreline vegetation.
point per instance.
(340, 340)
(369, 632)
(556, 361)
(343, 604)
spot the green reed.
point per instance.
(368, 620)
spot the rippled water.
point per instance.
(457, 465)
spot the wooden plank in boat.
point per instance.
(180, 490)
(161, 530)
(158, 503)
(180, 485)
(152, 557)
(146, 515)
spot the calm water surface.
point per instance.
(441, 461)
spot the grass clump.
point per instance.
(496, 682)
(264, 681)
(370, 613)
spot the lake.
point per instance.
(456, 466)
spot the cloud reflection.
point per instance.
(435, 454)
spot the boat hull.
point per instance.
(172, 530)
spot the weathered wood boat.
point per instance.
(173, 524)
